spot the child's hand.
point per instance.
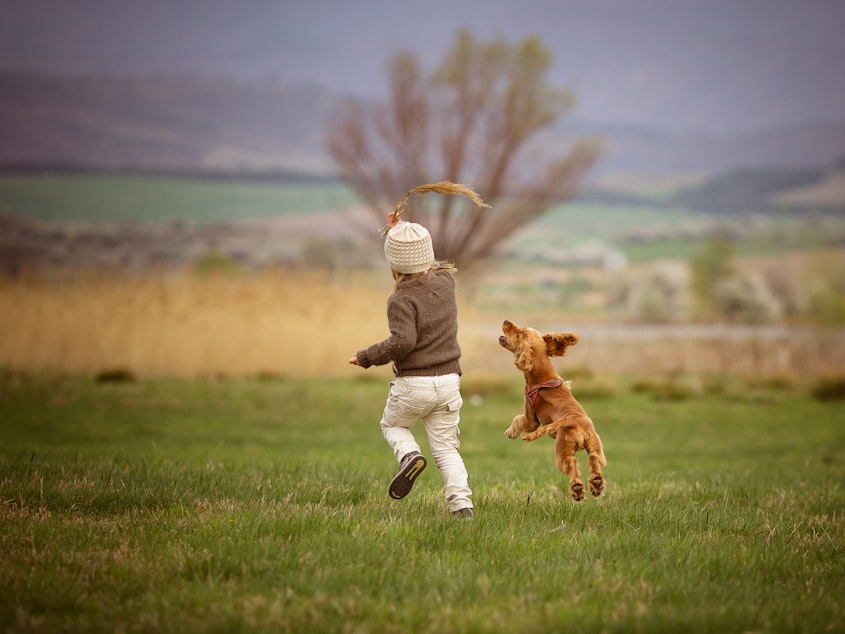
(392, 219)
(353, 360)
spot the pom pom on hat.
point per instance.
(408, 248)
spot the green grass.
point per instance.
(116, 198)
(261, 505)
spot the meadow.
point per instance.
(260, 505)
(192, 452)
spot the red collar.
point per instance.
(534, 392)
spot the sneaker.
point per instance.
(411, 466)
(463, 513)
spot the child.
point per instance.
(423, 347)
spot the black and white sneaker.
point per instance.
(463, 514)
(411, 466)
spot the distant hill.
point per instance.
(184, 123)
(825, 193)
(653, 153)
(225, 124)
(759, 190)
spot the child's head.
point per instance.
(408, 248)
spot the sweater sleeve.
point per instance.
(402, 319)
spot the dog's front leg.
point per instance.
(519, 426)
(522, 423)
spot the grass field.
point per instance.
(248, 505)
(237, 481)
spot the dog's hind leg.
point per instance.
(596, 461)
(567, 463)
(545, 430)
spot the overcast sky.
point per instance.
(702, 64)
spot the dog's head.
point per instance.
(529, 346)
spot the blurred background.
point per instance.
(196, 188)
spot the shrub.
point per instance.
(826, 304)
(215, 263)
(115, 375)
(831, 388)
(714, 263)
(659, 296)
(783, 381)
(595, 388)
(669, 388)
(747, 299)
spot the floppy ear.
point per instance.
(558, 342)
(524, 356)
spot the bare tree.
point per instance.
(475, 119)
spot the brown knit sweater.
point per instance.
(423, 318)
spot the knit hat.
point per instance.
(408, 248)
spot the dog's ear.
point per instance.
(524, 356)
(558, 342)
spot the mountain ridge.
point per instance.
(191, 122)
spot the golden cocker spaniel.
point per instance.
(550, 409)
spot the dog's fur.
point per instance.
(555, 413)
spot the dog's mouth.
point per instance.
(504, 340)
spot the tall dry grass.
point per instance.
(290, 323)
(187, 325)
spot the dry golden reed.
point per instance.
(443, 187)
(282, 324)
(290, 323)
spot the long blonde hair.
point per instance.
(448, 267)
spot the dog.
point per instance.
(550, 409)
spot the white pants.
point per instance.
(437, 401)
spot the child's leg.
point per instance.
(400, 414)
(441, 425)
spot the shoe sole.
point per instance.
(403, 481)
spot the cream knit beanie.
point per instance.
(408, 248)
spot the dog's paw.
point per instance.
(534, 435)
(576, 490)
(596, 485)
(511, 433)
